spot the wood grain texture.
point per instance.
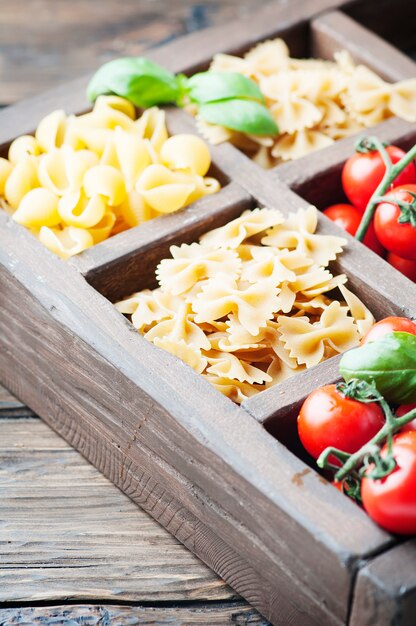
(385, 591)
(221, 614)
(249, 508)
(144, 424)
(335, 31)
(285, 398)
(68, 39)
(68, 533)
(10, 406)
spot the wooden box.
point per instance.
(225, 480)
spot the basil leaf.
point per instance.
(139, 80)
(389, 361)
(247, 116)
(212, 86)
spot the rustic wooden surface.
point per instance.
(48, 42)
(200, 449)
(220, 614)
(67, 534)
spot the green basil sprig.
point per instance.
(389, 361)
(213, 86)
(225, 98)
(247, 116)
(139, 80)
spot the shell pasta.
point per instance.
(248, 305)
(83, 178)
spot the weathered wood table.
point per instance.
(73, 548)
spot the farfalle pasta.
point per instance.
(313, 102)
(249, 305)
(84, 178)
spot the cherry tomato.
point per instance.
(349, 218)
(407, 187)
(328, 418)
(405, 266)
(391, 501)
(362, 174)
(389, 325)
(397, 238)
(402, 410)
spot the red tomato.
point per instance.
(349, 218)
(405, 266)
(397, 238)
(389, 325)
(362, 174)
(391, 501)
(327, 418)
(407, 187)
(402, 410)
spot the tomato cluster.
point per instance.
(329, 418)
(361, 175)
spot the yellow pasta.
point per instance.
(247, 305)
(26, 144)
(186, 152)
(39, 207)
(82, 179)
(67, 241)
(22, 178)
(51, 131)
(5, 170)
(313, 102)
(77, 209)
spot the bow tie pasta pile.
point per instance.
(247, 306)
(313, 102)
(81, 179)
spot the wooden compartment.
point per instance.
(214, 474)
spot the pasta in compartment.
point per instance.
(314, 102)
(251, 303)
(84, 178)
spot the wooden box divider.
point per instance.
(230, 482)
(318, 180)
(334, 31)
(135, 253)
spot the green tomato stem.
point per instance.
(391, 173)
(392, 425)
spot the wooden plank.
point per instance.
(143, 425)
(68, 533)
(220, 614)
(385, 591)
(285, 398)
(38, 54)
(336, 31)
(10, 406)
